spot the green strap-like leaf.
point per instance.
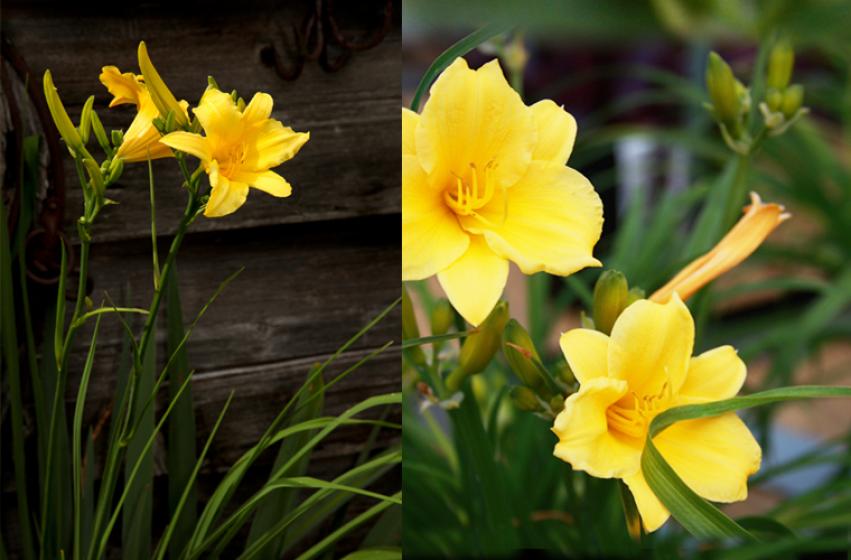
(460, 48)
(698, 516)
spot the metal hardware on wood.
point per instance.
(321, 38)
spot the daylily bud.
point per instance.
(774, 99)
(634, 295)
(100, 133)
(116, 168)
(521, 354)
(610, 299)
(722, 90)
(479, 347)
(86, 119)
(117, 137)
(780, 63)
(557, 404)
(442, 317)
(565, 374)
(793, 98)
(63, 123)
(524, 399)
(95, 176)
(160, 94)
(410, 329)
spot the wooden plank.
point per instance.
(305, 290)
(350, 167)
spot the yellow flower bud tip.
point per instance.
(722, 89)
(160, 94)
(63, 123)
(793, 98)
(611, 294)
(442, 317)
(780, 64)
(759, 220)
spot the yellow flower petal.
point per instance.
(714, 375)
(473, 117)
(258, 109)
(653, 513)
(431, 236)
(226, 196)
(746, 236)
(474, 282)
(556, 132)
(272, 144)
(193, 144)
(267, 181)
(586, 352)
(142, 140)
(125, 88)
(584, 438)
(162, 97)
(409, 127)
(549, 221)
(651, 345)
(219, 116)
(714, 456)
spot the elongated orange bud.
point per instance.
(759, 221)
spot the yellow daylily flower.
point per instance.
(142, 139)
(238, 149)
(484, 182)
(644, 368)
(747, 235)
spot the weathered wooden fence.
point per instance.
(318, 265)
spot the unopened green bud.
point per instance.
(117, 137)
(240, 104)
(442, 317)
(410, 330)
(780, 64)
(610, 299)
(63, 123)
(565, 374)
(479, 347)
(557, 404)
(721, 85)
(169, 122)
(116, 168)
(100, 133)
(793, 98)
(522, 356)
(634, 295)
(211, 82)
(86, 119)
(524, 399)
(95, 176)
(774, 99)
(234, 95)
